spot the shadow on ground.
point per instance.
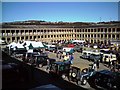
(30, 77)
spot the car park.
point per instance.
(105, 79)
(60, 69)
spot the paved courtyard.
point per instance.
(79, 62)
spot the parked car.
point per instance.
(74, 74)
(19, 53)
(28, 56)
(39, 60)
(86, 54)
(78, 48)
(68, 50)
(105, 79)
(80, 76)
(60, 69)
(52, 49)
(59, 49)
(107, 57)
(95, 56)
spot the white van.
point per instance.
(86, 54)
(107, 57)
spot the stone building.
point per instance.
(94, 33)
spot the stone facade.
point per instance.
(92, 34)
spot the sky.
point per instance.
(60, 11)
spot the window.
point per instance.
(34, 37)
(91, 30)
(109, 36)
(75, 30)
(13, 31)
(8, 39)
(98, 29)
(83, 35)
(94, 35)
(117, 36)
(30, 37)
(94, 30)
(45, 36)
(80, 30)
(3, 38)
(101, 29)
(25, 31)
(105, 35)
(7, 31)
(26, 38)
(91, 35)
(101, 35)
(13, 38)
(44, 31)
(34, 31)
(109, 30)
(118, 29)
(41, 30)
(105, 29)
(3, 31)
(75, 35)
(98, 35)
(113, 29)
(83, 30)
(113, 36)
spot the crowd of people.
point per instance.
(65, 57)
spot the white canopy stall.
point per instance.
(78, 41)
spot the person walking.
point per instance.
(48, 64)
(60, 55)
(64, 53)
(71, 58)
(57, 53)
(94, 66)
(109, 63)
(97, 63)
